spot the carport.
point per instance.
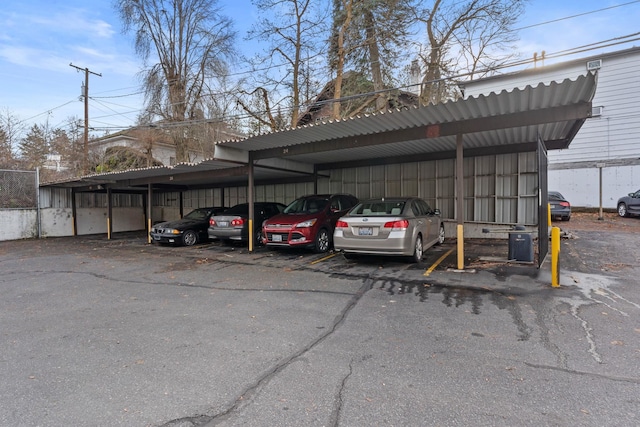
(533, 119)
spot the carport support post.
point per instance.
(74, 213)
(250, 232)
(109, 213)
(149, 210)
(460, 200)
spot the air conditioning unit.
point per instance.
(596, 111)
(596, 64)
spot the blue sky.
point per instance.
(40, 38)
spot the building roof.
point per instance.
(505, 122)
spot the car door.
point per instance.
(421, 220)
(634, 203)
(434, 222)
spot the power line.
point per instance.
(275, 66)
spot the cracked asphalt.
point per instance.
(121, 333)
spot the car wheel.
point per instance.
(417, 250)
(258, 238)
(189, 238)
(441, 235)
(323, 241)
(622, 209)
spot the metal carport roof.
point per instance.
(509, 121)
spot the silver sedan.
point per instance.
(389, 226)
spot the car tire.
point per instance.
(258, 238)
(418, 250)
(440, 235)
(189, 238)
(622, 210)
(322, 242)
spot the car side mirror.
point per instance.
(436, 212)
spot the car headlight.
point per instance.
(174, 231)
(307, 223)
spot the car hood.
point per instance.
(290, 219)
(178, 224)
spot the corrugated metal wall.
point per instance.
(499, 188)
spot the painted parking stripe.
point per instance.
(325, 258)
(435, 264)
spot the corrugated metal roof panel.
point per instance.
(528, 99)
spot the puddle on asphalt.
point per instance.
(455, 297)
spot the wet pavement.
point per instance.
(122, 333)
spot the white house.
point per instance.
(607, 147)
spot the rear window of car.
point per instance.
(197, 214)
(238, 210)
(378, 208)
(306, 206)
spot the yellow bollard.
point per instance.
(549, 214)
(250, 236)
(555, 257)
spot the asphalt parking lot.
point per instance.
(122, 333)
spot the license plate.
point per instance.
(365, 231)
(223, 223)
(276, 238)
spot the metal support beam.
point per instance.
(109, 213)
(562, 113)
(149, 211)
(460, 200)
(252, 224)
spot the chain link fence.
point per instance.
(18, 189)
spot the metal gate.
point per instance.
(543, 198)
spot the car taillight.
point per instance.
(342, 224)
(565, 204)
(402, 224)
(212, 222)
(237, 221)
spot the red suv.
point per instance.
(308, 221)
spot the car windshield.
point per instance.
(242, 209)
(197, 214)
(306, 206)
(378, 208)
(555, 196)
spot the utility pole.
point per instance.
(85, 94)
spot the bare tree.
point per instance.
(340, 46)
(291, 28)
(470, 28)
(10, 130)
(188, 43)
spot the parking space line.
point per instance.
(325, 258)
(435, 264)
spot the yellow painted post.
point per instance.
(250, 236)
(549, 214)
(555, 257)
(108, 228)
(460, 247)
